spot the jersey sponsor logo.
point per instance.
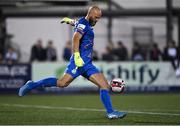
(81, 27)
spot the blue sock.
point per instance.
(47, 82)
(106, 100)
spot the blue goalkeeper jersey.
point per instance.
(86, 49)
(87, 41)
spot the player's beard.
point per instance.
(92, 22)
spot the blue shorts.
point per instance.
(86, 71)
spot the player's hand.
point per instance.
(78, 60)
(68, 21)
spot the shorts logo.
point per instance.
(74, 70)
(81, 27)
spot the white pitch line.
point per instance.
(159, 110)
(50, 107)
(87, 109)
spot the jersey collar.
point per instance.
(87, 22)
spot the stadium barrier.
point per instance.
(13, 76)
(138, 76)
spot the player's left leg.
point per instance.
(98, 78)
(102, 83)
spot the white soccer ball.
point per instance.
(117, 85)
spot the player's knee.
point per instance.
(62, 84)
(105, 87)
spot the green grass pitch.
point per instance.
(87, 109)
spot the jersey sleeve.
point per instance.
(81, 27)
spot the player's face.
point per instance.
(94, 18)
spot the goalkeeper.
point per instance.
(81, 62)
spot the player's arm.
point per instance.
(67, 20)
(76, 42)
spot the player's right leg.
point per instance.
(64, 81)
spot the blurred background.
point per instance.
(139, 38)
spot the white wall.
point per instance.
(26, 31)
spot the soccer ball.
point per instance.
(117, 85)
